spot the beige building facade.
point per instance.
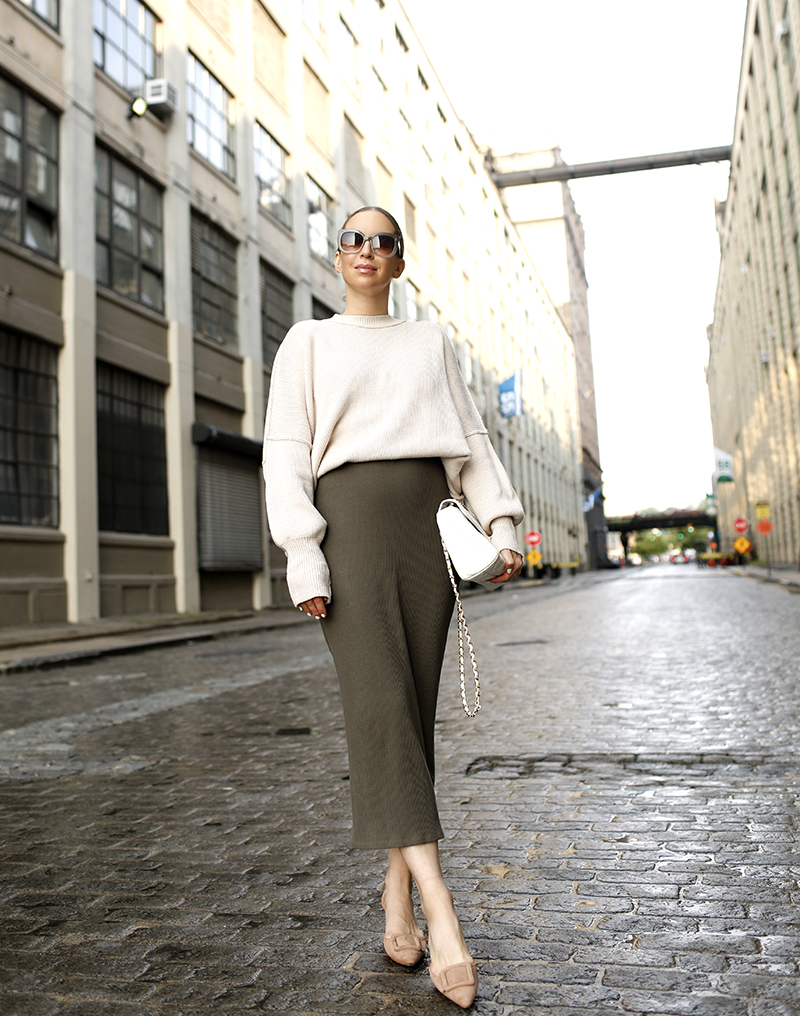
(151, 264)
(753, 375)
(550, 227)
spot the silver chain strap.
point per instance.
(463, 631)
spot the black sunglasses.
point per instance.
(385, 245)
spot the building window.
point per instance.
(312, 18)
(46, 9)
(210, 117)
(273, 183)
(410, 215)
(131, 453)
(214, 290)
(129, 231)
(321, 227)
(320, 311)
(277, 310)
(28, 171)
(28, 431)
(412, 302)
(127, 42)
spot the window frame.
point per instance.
(281, 207)
(102, 39)
(32, 6)
(316, 207)
(143, 223)
(204, 92)
(29, 155)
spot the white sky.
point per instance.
(607, 80)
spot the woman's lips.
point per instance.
(365, 268)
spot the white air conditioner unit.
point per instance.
(161, 97)
(782, 28)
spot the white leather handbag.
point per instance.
(469, 550)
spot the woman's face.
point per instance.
(365, 271)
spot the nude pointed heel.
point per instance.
(407, 950)
(458, 983)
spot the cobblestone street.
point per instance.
(621, 818)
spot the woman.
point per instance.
(369, 426)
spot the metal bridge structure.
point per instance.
(549, 174)
(665, 520)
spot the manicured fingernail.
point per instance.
(508, 571)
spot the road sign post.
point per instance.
(764, 527)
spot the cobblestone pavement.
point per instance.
(621, 817)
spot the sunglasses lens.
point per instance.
(384, 244)
(351, 240)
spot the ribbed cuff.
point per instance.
(504, 534)
(307, 573)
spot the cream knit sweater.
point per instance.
(360, 389)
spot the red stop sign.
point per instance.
(533, 539)
(741, 525)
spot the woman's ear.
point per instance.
(398, 269)
(336, 262)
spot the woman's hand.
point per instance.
(316, 606)
(513, 562)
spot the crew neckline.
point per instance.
(367, 320)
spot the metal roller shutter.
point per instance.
(228, 511)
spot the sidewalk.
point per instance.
(783, 575)
(27, 647)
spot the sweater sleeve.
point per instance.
(295, 524)
(484, 481)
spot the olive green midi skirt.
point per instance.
(391, 605)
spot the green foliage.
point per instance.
(655, 541)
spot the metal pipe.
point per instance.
(548, 174)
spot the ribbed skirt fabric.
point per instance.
(391, 604)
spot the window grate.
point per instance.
(214, 289)
(277, 310)
(131, 453)
(28, 431)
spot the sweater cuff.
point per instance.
(307, 573)
(504, 534)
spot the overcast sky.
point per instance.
(607, 79)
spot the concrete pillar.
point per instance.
(77, 424)
(179, 400)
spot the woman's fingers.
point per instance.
(315, 607)
(513, 567)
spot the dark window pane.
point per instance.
(28, 431)
(131, 453)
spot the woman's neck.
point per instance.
(364, 305)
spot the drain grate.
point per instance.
(237, 652)
(515, 767)
(524, 642)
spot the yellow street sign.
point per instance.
(534, 557)
(742, 545)
(762, 509)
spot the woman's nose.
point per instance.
(369, 251)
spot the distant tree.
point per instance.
(650, 542)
